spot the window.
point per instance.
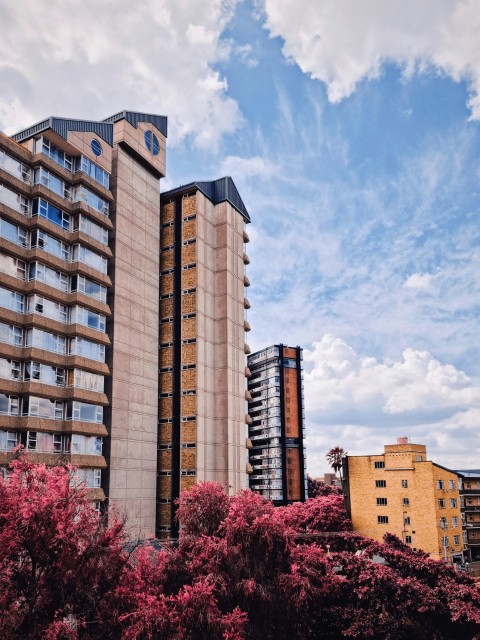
(41, 273)
(382, 519)
(404, 484)
(381, 501)
(408, 539)
(89, 228)
(10, 369)
(52, 182)
(11, 335)
(406, 502)
(90, 288)
(453, 503)
(84, 412)
(379, 464)
(12, 266)
(41, 207)
(88, 318)
(41, 240)
(42, 408)
(87, 349)
(443, 523)
(444, 541)
(85, 380)
(151, 142)
(440, 484)
(93, 170)
(14, 234)
(454, 522)
(14, 200)
(82, 194)
(14, 167)
(91, 477)
(12, 300)
(48, 308)
(90, 258)
(42, 145)
(441, 503)
(451, 484)
(44, 340)
(406, 521)
(456, 540)
(90, 445)
(9, 440)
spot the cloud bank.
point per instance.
(88, 59)
(362, 403)
(342, 42)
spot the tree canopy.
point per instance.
(242, 570)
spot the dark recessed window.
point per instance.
(151, 142)
(96, 147)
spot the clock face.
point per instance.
(151, 142)
(96, 147)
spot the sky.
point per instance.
(351, 129)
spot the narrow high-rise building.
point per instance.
(202, 430)
(79, 302)
(277, 424)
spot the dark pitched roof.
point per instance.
(221, 190)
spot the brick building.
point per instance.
(402, 492)
(277, 424)
(202, 430)
(470, 507)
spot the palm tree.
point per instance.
(335, 459)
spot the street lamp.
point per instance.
(444, 527)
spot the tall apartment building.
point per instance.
(202, 430)
(402, 492)
(470, 508)
(79, 302)
(277, 424)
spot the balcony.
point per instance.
(248, 395)
(246, 281)
(246, 303)
(248, 444)
(246, 259)
(247, 349)
(248, 418)
(246, 237)
(246, 326)
(248, 373)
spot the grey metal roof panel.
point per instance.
(221, 190)
(62, 126)
(134, 117)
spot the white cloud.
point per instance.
(419, 281)
(362, 404)
(242, 169)
(89, 59)
(342, 42)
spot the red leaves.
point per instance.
(243, 569)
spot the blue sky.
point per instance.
(351, 128)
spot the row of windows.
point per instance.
(46, 178)
(51, 442)
(40, 240)
(442, 503)
(52, 409)
(90, 478)
(440, 484)
(70, 163)
(44, 209)
(384, 501)
(39, 272)
(47, 374)
(444, 522)
(55, 343)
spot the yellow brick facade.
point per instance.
(401, 492)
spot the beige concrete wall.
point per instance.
(134, 366)
(221, 429)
